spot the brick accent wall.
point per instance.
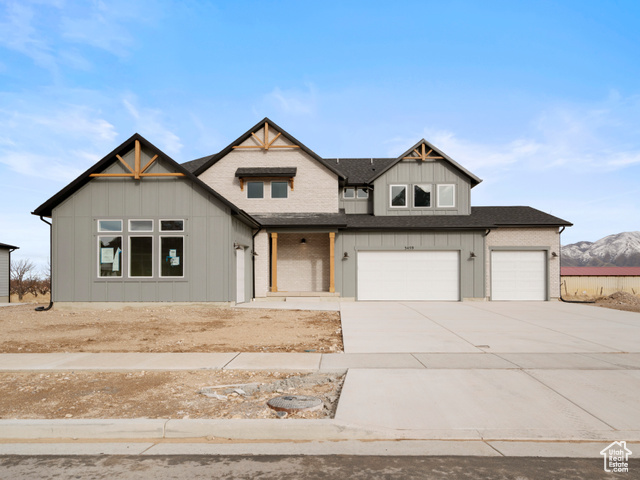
(315, 187)
(303, 267)
(526, 237)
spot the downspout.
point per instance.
(44, 309)
(562, 299)
(253, 262)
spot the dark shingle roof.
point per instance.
(481, 217)
(360, 171)
(338, 220)
(266, 172)
(193, 165)
(4, 245)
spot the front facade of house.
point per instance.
(268, 217)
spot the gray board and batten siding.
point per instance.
(210, 232)
(414, 172)
(471, 269)
(4, 275)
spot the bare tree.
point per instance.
(43, 285)
(22, 277)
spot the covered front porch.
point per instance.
(302, 264)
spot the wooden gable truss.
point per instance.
(265, 143)
(422, 155)
(136, 172)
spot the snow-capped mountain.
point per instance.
(620, 250)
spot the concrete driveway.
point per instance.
(490, 327)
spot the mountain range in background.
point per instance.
(619, 250)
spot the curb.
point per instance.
(272, 429)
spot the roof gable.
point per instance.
(136, 142)
(424, 151)
(264, 143)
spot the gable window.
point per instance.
(141, 256)
(255, 189)
(363, 193)
(446, 196)
(422, 196)
(172, 225)
(349, 192)
(398, 195)
(110, 256)
(141, 225)
(279, 189)
(172, 256)
(109, 225)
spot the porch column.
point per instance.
(332, 262)
(274, 262)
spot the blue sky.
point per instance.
(541, 99)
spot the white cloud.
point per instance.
(149, 122)
(294, 101)
(601, 136)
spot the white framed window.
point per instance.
(422, 196)
(349, 193)
(255, 189)
(397, 196)
(109, 226)
(109, 256)
(446, 196)
(279, 189)
(172, 225)
(141, 225)
(141, 256)
(362, 193)
(171, 256)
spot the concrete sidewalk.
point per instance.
(310, 362)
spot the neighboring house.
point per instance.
(268, 217)
(5, 272)
(599, 281)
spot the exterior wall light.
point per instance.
(472, 255)
(303, 241)
(345, 256)
(554, 254)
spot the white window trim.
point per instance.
(110, 220)
(263, 190)
(98, 258)
(406, 196)
(131, 256)
(135, 232)
(169, 232)
(454, 195)
(366, 190)
(184, 266)
(414, 195)
(344, 191)
(271, 190)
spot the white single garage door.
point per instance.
(408, 275)
(518, 275)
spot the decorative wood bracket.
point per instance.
(136, 173)
(266, 144)
(423, 155)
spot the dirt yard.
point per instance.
(160, 394)
(620, 301)
(169, 329)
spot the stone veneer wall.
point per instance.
(526, 237)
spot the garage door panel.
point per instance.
(408, 275)
(518, 275)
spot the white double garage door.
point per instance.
(435, 275)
